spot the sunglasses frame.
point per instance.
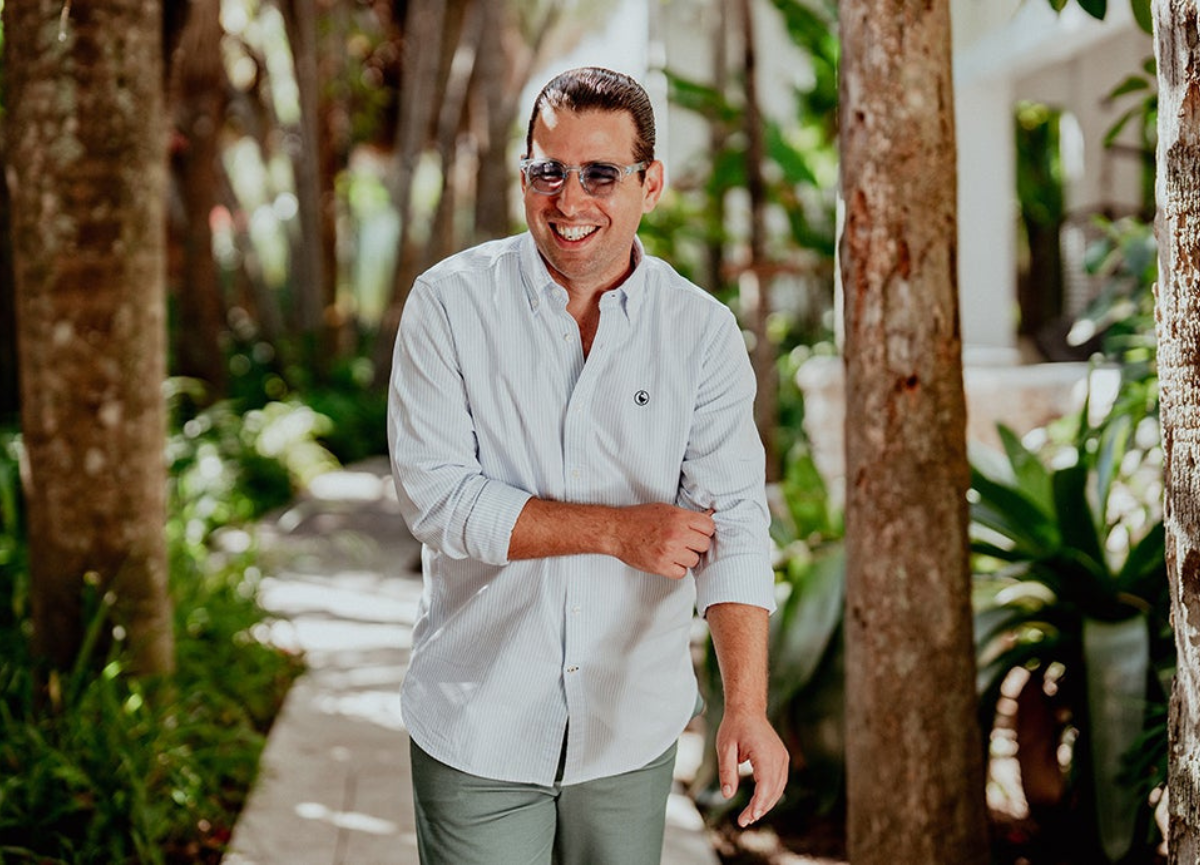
(623, 171)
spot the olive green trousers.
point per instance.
(466, 820)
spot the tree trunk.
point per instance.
(201, 111)
(756, 279)
(9, 404)
(444, 239)
(1177, 48)
(87, 174)
(423, 36)
(495, 103)
(308, 261)
(509, 54)
(915, 776)
(718, 139)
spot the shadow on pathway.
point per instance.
(333, 789)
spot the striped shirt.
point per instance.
(492, 402)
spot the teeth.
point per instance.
(574, 232)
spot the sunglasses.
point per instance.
(598, 179)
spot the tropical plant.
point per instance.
(1072, 613)
(1125, 256)
(111, 768)
(806, 688)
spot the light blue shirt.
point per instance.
(491, 403)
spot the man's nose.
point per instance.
(572, 196)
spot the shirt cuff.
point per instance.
(489, 527)
(747, 579)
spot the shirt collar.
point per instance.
(539, 282)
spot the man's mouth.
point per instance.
(573, 232)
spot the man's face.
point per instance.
(587, 241)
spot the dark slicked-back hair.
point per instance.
(593, 88)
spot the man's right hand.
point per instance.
(662, 539)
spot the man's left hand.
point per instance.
(748, 736)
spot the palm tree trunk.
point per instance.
(87, 175)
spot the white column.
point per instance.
(987, 190)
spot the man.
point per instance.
(572, 441)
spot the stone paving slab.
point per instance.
(334, 780)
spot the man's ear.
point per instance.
(653, 185)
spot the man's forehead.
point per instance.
(600, 122)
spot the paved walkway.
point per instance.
(334, 786)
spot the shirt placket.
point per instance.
(577, 433)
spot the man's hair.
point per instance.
(593, 88)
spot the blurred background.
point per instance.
(319, 154)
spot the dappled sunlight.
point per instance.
(346, 819)
(293, 598)
(352, 486)
(381, 708)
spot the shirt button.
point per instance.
(575, 610)
(572, 669)
(575, 473)
(567, 336)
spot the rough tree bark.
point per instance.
(914, 756)
(87, 175)
(1177, 48)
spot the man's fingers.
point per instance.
(727, 769)
(767, 792)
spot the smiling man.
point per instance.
(572, 436)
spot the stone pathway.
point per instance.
(334, 782)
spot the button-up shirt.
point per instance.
(492, 401)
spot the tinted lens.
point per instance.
(547, 176)
(600, 177)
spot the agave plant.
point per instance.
(1075, 602)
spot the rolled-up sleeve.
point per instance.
(444, 496)
(724, 469)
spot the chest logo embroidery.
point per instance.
(641, 397)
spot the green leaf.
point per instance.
(1032, 477)
(1058, 5)
(795, 166)
(1145, 564)
(1114, 442)
(1142, 15)
(1004, 554)
(1131, 84)
(1076, 521)
(1119, 125)
(805, 622)
(1008, 511)
(1096, 8)
(1117, 657)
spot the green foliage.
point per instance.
(690, 226)
(1099, 8)
(806, 689)
(354, 411)
(230, 467)
(109, 768)
(130, 770)
(1126, 257)
(1072, 587)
